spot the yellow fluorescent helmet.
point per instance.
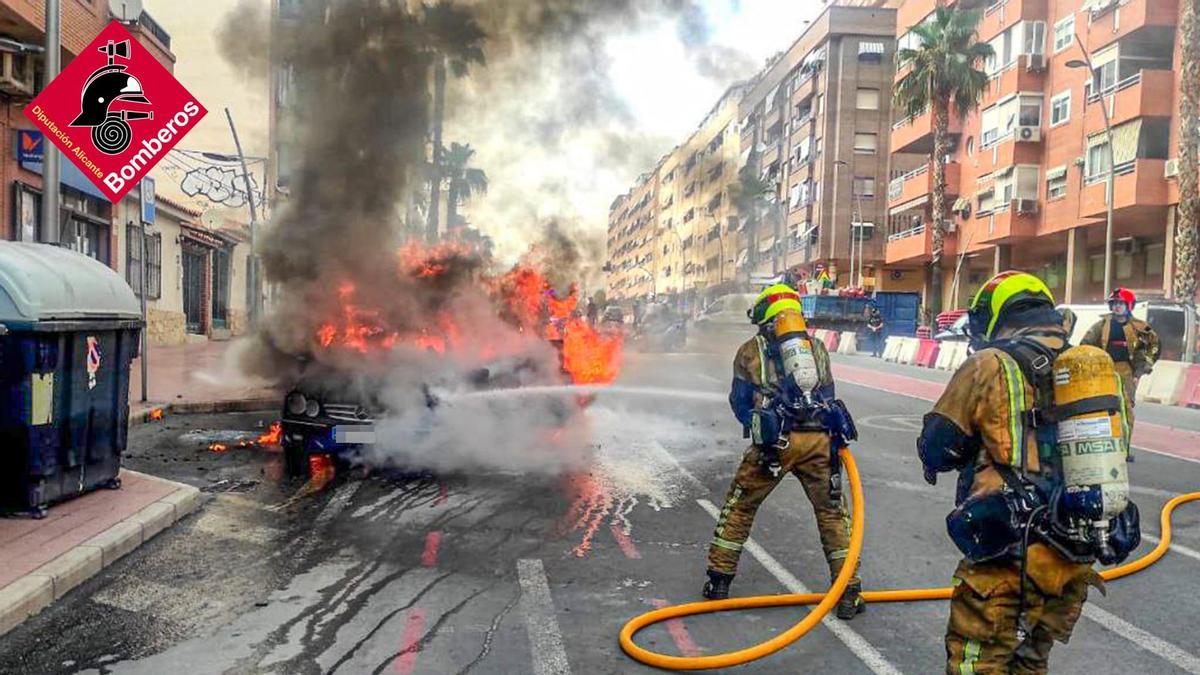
(773, 300)
(1001, 292)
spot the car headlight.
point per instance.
(295, 403)
(312, 409)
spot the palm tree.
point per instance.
(1187, 229)
(943, 72)
(461, 181)
(455, 42)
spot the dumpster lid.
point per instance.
(39, 282)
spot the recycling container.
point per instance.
(69, 328)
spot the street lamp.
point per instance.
(1086, 63)
(855, 224)
(653, 280)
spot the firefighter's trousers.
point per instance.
(981, 636)
(807, 457)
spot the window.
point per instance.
(865, 144)
(1056, 183)
(1124, 267)
(1030, 112)
(970, 146)
(1035, 37)
(1064, 33)
(868, 99)
(864, 187)
(1097, 264)
(1060, 109)
(1097, 163)
(1155, 260)
(133, 262)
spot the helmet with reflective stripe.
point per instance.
(773, 300)
(1000, 294)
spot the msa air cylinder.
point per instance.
(1092, 444)
(795, 350)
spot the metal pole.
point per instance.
(51, 227)
(1108, 198)
(145, 325)
(252, 272)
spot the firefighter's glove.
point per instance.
(943, 447)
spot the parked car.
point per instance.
(723, 325)
(662, 330)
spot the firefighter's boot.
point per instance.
(851, 605)
(717, 586)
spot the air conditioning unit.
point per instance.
(1029, 134)
(1025, 206)
(949, 225)
(1172, 168)
(1035, 62)
(16, 74)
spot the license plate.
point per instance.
(354, 434)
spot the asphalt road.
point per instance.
(503, 572)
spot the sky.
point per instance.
(650, 69)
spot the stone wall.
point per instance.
(165, 328)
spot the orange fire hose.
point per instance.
(825, 601)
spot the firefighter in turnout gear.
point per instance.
(783, 395)
(1005, 426)
(1132, 343)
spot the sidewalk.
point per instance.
(199, 377)
(41, 560)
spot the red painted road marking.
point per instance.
(625, 543)
(1156, 438)
(411, 645)
(433, 542)
(679, 632)
(443, 494)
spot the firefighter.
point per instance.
(796, 440)
(1132, 343)
(1010, 604)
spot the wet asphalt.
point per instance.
(503, 572)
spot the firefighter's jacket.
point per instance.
(756, 375)
(987, 401)
(1140, 340)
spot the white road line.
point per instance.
(706, 377)
(1147, 641)
(336, 504)
(545, 639)
(864, 650)
(1175, 548)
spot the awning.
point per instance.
(1106, 56)
(909, 205)
(961, 204)
(814, 57)
(745, 158)
(742, 256)
(70, 176)
(765, 245)
(1125, 141)
(795, 200)
(870, 48)
(1056, 172)
(1001, 173)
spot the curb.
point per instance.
(37, 590)
(261, 404)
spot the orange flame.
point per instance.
(589, 356)
(217, 447)
(156, 414)
(273, 436)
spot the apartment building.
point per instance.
(1027, 175)
(814, 127)
(633, 218)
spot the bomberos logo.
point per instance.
(128, 109)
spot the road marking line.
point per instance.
(1177, 548)
(626, 544)
(1147, 641)
(545, 639)
(411, 645)
(709, 378)
(433, 542)
(336, 504)
(865, 651)
(679, 632)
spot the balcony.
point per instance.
(1016, 78)
(1148, 93)
(1113, 20)
(1139, 187)
(915, 134)
(919, 183)
(1009, 150)
(915, 245)
(1002, 15)
(1017, 219)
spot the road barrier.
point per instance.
(891, 349)
(831, 340)
(908, 351)
(848, 344)
(948, 354)
(927, 353)
(1191, 388)
(1164, 384)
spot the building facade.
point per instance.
(1027, 175)
(785, 173)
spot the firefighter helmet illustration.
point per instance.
(110, 128)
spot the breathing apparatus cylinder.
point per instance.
(795, 350)
(1092, 445)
